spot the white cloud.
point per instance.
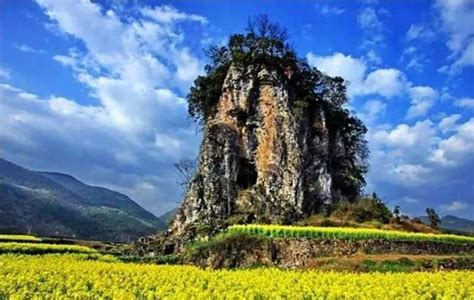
(415, 64)
(28, 49)
(371, 110)
(372, 58)
(410, 50)
(368, 19)
(351, 69)
(465, 103)
(455, 206)
(413, 32)
(137, 68)
(414, 59)
(466, 58)
(448, 123)
(457, 17)
(385, 82)
(456, 149)
(398, 154)
(127, 62)
(410, 174)
(407, 159)
(58, 134)
(372, 32)
(4, 74)
(30, 118)
(422, 99)
(418, 156)
(329, 10)
(419, 136)
(458, 20)
(410, 200)
(412, 162)
(419, 32)
(169, 144)
(169, 14)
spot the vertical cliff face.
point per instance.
(262, 159)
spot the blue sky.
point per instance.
(97, 89)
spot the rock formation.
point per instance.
(278, 144)
(260, 160)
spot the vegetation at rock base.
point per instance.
(57, 276)
(365, 209)
(266, 44)
(344, 233)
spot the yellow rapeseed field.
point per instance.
(34, 248)
(345, 233)
(74, 276)
(17, 237)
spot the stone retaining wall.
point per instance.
(252, 251)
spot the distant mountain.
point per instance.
(54, 204)
(452, 223)
(168, 216)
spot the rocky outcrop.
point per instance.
(262, 158)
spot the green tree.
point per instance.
(433, 218)
(396, 213)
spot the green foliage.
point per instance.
(349, 158)
(396, 212)
(433, 218)
(363, 210)
(401, 265)
(204, 95)
(237, 219)
(204, 229)
(422, 263)
(237, 241)
(168, 259)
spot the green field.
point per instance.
(345, 233)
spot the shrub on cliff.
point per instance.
(365, 210)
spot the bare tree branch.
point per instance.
(186, 169)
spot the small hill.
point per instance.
(167, 217)
(54, 204)
(458, 224)
(453, 223)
